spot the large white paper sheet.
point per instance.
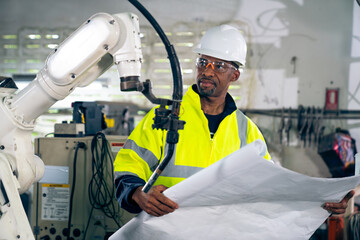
(242, 196)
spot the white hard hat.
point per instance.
(224, 42)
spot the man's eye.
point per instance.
(202, 63)
(219, 66)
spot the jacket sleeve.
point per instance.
(125, 187)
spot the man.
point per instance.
(214, 129)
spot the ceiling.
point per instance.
(53, 14)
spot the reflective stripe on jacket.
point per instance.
(195, 150)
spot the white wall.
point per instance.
(318, 33)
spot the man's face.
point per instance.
(210, 81)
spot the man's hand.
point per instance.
(154, 202)
(339, 208)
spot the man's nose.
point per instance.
(209, 72)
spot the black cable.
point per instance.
(173, 118)
(354, 227)
(159, 169)
(101, 195)
(104, 202)
(79, 145)
(174, 61)
(88, 223)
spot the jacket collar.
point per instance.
(194, 97)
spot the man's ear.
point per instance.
(235, 75)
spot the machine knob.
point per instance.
(52, 230)
(76, 232)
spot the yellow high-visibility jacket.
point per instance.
(146, 147)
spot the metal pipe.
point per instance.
(294, 113)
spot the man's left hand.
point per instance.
(339, 208)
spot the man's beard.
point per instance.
(205, 92)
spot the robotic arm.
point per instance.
(103, 40)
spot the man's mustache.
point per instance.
(206, 80)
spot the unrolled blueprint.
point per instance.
(242, 196)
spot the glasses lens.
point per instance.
(220, 67)
(201, 63)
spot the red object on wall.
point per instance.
(335, 228)
(332, 99)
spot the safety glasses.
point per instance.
(219, 66)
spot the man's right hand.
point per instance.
(154, 202)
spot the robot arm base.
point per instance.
(13, 220)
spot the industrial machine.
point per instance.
(78, 176)
(103, 40)
(100, 42)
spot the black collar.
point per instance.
(230, 105)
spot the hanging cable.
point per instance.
(88, 223)
(354, 227)
(165, 119)
(101, 194)
(78, 146)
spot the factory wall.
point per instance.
(296, 50)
